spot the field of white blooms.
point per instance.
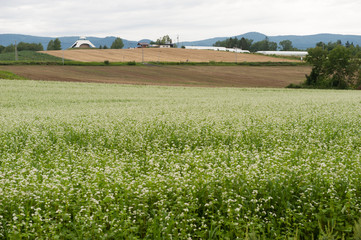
(92, 161)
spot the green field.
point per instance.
(28, 57)
(93, 161)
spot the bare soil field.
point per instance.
(161, 55)
(198, 76)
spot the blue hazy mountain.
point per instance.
(301, 42)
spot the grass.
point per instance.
(10, 76)
(83, 161)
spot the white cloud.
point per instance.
(191, 19)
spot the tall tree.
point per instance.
(57, 44)
(50, 45)
(264, 45)
(245, 44)
(286, 45)
(117, 44)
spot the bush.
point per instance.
(293, 85)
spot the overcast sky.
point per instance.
(190, 19)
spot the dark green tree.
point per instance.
(50, 45)
(242, 43)
(245, 43)
(316, 57)
(105, 47)
(264, 45)
(286, 45)
(117, 44)
(54, 44)
(336, 68)
(57, 44)
(22, 46)
(1, 48)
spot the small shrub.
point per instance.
(132, 63)
(293, 85)
(106, 62)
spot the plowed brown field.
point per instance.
(161, 55)
(206, 76)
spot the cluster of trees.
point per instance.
(247, 44)
(242, 43)
(117, 44)
(54, 44)
(162, 40)
(334, 66)
(22, 46)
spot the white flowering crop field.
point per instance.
(92, 161)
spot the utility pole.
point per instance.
(235, 50)
(63, 56)
(142, 54)
(16, 52)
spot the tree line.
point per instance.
(22, 46)
(248, 44)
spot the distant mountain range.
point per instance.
(300, 42)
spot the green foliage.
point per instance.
(163, 40)
(50, 45)
(286, 45)
(29, 47)
(242, 43)
(330, 46)
(9, 48)
(357, 230)
(337, 68)
(22, 46)
(93, 161)
(10, 76)
(247, 44)
(117, 44)
(54, 44)
(264, 45)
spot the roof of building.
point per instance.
(82, 41)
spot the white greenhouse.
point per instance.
(82, 42)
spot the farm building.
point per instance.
(143, 45)
(82, 42)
